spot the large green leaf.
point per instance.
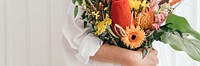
(190, 45)
(181, 24)
(174, 42)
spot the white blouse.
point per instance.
(78, 44)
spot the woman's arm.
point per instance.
(87, 45)
(114, 54)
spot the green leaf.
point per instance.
(157, 34)
(94, 28)
(166, 38)
(94, 2)
(84, 15)
(181, 24)
(75, 11)
(179, 39)
(85, 24)
(73, 1)
(179, 32)
(80, 2)
(190, 45)
(144, 53)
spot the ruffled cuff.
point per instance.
(89, 46)
(84, 43)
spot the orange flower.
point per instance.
(133, 37)
(174, 2)
(145, 19)
(121, 13)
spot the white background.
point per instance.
(30, 33)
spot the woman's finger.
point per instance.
(149, 50)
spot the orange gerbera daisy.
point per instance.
(133, 37)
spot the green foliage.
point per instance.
(181, 24)
(80, 2)
(190, 45)
(84, 15)
(76, 7)
(73, 1)
(85, 24)
(178, 38)
(144, 52)
(75, 11)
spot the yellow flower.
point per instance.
(101, 26)
(84, 5)
(144, 4)
(96, 14)
(134, 4)
(134, 37)
(108, 20)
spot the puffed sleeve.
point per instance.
(80, 40)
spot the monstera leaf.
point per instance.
(181, 24)
(188, 42)
(190, 45)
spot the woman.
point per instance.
(83, 49)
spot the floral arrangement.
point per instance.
(134, 24)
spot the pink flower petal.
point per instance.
(156, 26)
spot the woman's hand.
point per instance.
(149, 60)
(125, 57)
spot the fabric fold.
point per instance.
(80, 40)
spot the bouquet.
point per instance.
(134, 24)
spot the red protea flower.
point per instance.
(121, 13)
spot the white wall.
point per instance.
(30, 33)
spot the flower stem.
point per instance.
(92, 5)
